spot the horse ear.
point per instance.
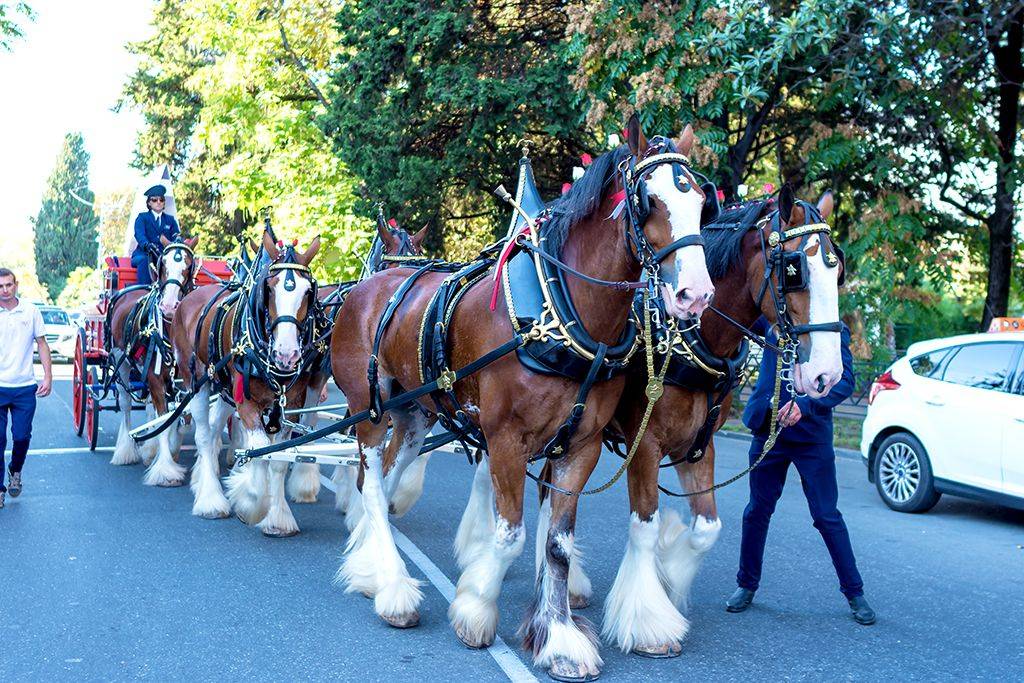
(386, 237)
(417, 239)
(786, 202)
(826, 205)
(269, 246)
(164, 241)
(306, 257)
(253, 247)
(635, 137)
(685, 142)
(191, 242)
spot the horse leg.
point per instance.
(564, 644)
(682, 548)
(209, 500)
(344, 479)
(476, 528)
(279, 522)
(372, 564)
(220, 415)
(150, 447)
(639, 616)
(126, 452)
(246, 483)
(410, 486)
(304, 480)
(410, 429)
(163, 471)
(580, 588)
(474, 612)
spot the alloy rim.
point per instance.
(899, 472)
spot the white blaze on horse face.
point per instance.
(691, 293)
(824, 367)
(286, 345)
(174, 266)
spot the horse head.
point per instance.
(397, 242)
(665, 200)
(289, 291)
(802, 270)
(175, 272)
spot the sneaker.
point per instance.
(15, 484)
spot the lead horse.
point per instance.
(518, 412)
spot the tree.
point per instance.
(430, 99)
(65, 229)
(114, 209)
(10, 29)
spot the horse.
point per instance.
(514, 409)
(393, 246)
(137, 320)
(663, 556)
(262, 336)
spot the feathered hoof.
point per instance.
(474, 620)
(563, 669)
(212, 514)
(275, 532)
(170, 483)
(666, 651)
(579, 601)
(470, 640)
(409, 620)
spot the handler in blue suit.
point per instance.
(150, 226)
(806, 442)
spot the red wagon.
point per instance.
(92, 369)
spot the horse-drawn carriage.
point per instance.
(93, 387)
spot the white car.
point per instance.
(949, 418)
(61, 333)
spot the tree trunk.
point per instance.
(1009, 71)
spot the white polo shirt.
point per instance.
(19, 328)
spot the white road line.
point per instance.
(509, 662)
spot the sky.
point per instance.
(65, 75)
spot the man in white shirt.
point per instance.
(21, 326)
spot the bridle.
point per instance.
(787, 271)
(179, 249)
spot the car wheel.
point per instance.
(903, 474)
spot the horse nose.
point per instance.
(286, 360)
(692, 302)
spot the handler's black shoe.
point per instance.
(740, 600)
(2, 494)
(14, 487)
(862, 612)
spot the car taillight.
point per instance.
(885, 382)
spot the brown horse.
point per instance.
(282, 292)
(516, 410)
(136, 321)
(662, 556)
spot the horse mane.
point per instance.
(722, 250)
(581, 200)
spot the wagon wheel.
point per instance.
(78, 392)
(92, 413)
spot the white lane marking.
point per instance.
(509, 662)
(82, 449)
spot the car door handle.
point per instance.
(935, 402)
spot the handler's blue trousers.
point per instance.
(816, 464)
(145, 277)
(20, 402)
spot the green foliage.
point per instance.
(81, 289)
(114, 210)
(65, 229)
(429, 102)
(10, 28)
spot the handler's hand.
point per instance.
(44, 387)
(789, 414)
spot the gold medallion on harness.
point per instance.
(654, 390)
(447, 380)
(773, 239)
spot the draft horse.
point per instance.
(517, 412)
(256, 346)
(137, 320)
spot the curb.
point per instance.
(745, 437)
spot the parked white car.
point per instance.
(949, 418)
(61, 333)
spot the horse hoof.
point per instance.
(579, 601)
(214, 514)
(572, 672)
(173, 483)
(471, 643)
(280, 533)
(403, 620)
(666, 651)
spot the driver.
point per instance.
(150, 226)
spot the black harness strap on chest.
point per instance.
(372, 373)
(559, 443)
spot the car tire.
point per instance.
(903, 474)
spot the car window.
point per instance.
(984, 366)
(928, 364)
(55, 317)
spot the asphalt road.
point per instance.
(105, 579)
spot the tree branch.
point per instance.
(298, 62)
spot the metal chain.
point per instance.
(654, 391)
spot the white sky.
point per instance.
(65, 75)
